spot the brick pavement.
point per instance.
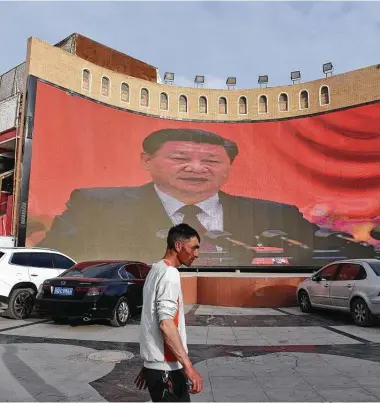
(244, 354)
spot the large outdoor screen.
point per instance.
(106, 183)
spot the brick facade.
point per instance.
(64, 69)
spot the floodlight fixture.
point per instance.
(231, 82)
(199, 79)
(263, 80)
(328, 68)
(168, 77)
(295, 76)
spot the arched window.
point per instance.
(202, 105)
(242, 106)
(263, 104)
(144, 97)
(164, 102)
(86, 79)
(304, 99)
(222, 106)
(124, 92)
(325, 95)
(283, 102)
(182, 103)
(105, 86)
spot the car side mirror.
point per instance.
(315, 278)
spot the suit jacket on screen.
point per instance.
(113, 223)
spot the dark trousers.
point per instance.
(167, 386)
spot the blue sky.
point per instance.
(215, 39)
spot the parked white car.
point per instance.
(351, 285)
(22, 271)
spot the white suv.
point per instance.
(22, 271)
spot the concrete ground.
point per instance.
(243, 354)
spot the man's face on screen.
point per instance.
(187, 168)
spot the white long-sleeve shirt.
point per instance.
(162, 299)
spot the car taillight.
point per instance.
(82, 289)
(93, 291)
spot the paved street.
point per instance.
(244, 354)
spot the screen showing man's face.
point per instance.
(292, 197)
(186, 168)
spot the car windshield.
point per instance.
(376, 267)
(96, 271)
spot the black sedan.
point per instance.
(95, 290)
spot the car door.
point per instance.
(19, 264)
(41, 267)
(319, 289)
(342, 286)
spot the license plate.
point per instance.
(63, 291)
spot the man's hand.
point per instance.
(196, 380)
(140, 381)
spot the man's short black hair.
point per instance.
(181, 232)
(156, 139)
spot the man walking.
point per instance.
(168, 372)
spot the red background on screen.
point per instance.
(331, 159)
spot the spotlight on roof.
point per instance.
(169, 78)
(199, 81)
(263, 81)
(231, 82)
(328, 68)
(295, 76)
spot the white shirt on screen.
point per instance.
(211, 216)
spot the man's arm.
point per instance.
(167, 306)
(173, 340)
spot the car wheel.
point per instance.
(304, 302)
(121, 313)
(21, 303)
(361, 314)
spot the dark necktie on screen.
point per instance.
(190, 213)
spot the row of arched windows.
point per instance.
(202, 104)
(283, 99)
